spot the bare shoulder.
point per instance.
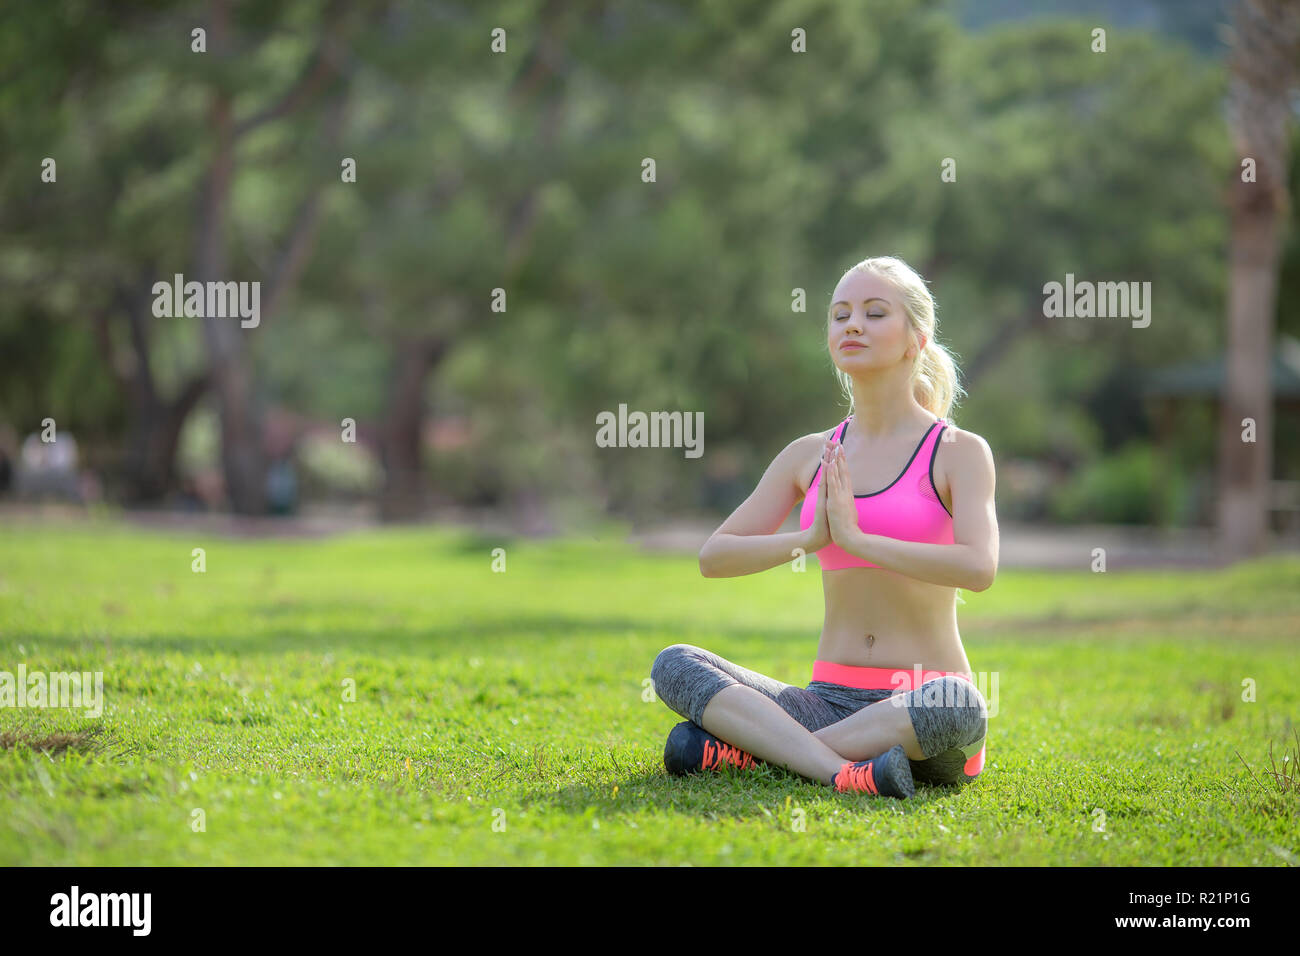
(964, 453)
(968, 444)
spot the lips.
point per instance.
(850, 346)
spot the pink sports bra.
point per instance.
(908, 508)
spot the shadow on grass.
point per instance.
(762, 793)
(459, 637)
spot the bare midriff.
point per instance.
(879, 618)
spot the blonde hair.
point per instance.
(934, 373)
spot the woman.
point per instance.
(892, 698)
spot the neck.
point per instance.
(883, 405)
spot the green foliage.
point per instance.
(332, 467)
(200, 442)
(1133, 486)
(522, 171)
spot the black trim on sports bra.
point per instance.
(919, 445)
(933, 454)
(915, 452)
(819, 464)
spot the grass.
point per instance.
(499, 717)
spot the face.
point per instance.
(867, 309)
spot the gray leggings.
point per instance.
(949, 714)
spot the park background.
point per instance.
(522, 171)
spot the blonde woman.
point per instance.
(898, 506)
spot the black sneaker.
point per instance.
(889, 775)
(691, 749)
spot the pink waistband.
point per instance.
(877, 678)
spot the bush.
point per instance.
(1129, 487)
(338, 468)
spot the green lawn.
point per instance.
(517, 698)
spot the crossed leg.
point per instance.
(778, 723)
(872, 730)
(747, 719)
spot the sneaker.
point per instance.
(691, 749)
(889, 775)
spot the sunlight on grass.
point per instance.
(386, 698)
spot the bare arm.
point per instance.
(746, 542)
(971, 562)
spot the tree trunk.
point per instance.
(403, 496)
(155, 424)
(1246, 467)
(1265, 43)
(241, 428)
(155, 436)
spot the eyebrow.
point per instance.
(864, 301)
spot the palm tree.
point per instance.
(1265, 41)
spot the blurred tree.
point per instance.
(57, 253)
(1037, 122)
(132, 141)
(234, 58)
(522, 170)
(1265, 45)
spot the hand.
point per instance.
(841, 511)
(818, 534)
